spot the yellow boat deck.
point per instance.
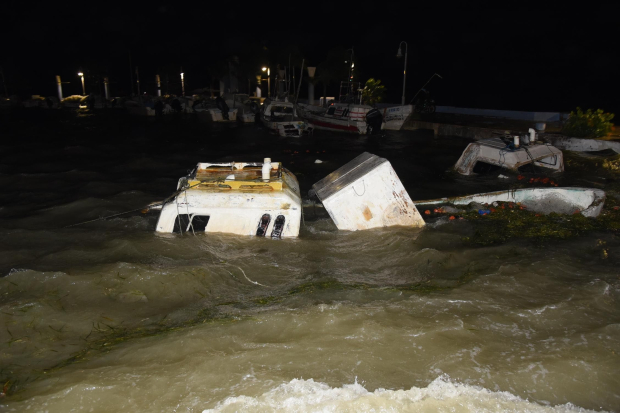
(236, 175)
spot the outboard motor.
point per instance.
(373, 121)
(221, 105)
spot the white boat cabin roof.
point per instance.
(272, 107)
(241, 176)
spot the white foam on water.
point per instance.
(441, 395)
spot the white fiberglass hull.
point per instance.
(394, 118)
(589, 202)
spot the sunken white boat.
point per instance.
(279, 116)
(587, 201)
(244, 198)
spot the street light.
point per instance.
(182, 82)
(400, 54)
(351, 65)
(80, 74)
(268, 80)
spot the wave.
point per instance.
(441, 395)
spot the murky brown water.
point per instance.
(113, 317)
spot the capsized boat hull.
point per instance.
(589, 202)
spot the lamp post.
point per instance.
(81, 74)
(182, 82)
(351, 65)
(400, 54)
(268, 70)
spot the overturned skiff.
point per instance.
(589, 202)
(244, 198)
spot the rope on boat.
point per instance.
(147, 207)
(109, 216)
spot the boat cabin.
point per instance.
(277, 111)
(244, 198)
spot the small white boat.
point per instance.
(279, 116)
(244, 198)
(348, 115)
(589, 202)
(341, 117)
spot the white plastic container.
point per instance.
(516, 141)
(266, 169)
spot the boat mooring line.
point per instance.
(109, 216)
(149, 206)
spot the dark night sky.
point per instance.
(544, 57)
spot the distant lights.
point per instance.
(264, 69)
(80, 74)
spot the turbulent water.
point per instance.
(110, 316)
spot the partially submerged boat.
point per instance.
(280, 117)
(244, 198)
(497, 152)
(347, 115)
(589, 202)
(366, 193)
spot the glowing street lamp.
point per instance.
(351, 66)
(80, 74)
(182, 82)
(400, 54)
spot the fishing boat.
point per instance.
(244, 198)
(589, 202)
(279, 116)
(348, 115)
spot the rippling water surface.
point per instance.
(110, 316)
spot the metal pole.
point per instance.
(268, 82)
(59, 84)
(429, 79)
(182, 82)
(301, 75)
(138, 80)
(83, 87)
(404, 73)
(106, 87)
(158, 80)
(350, 63)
